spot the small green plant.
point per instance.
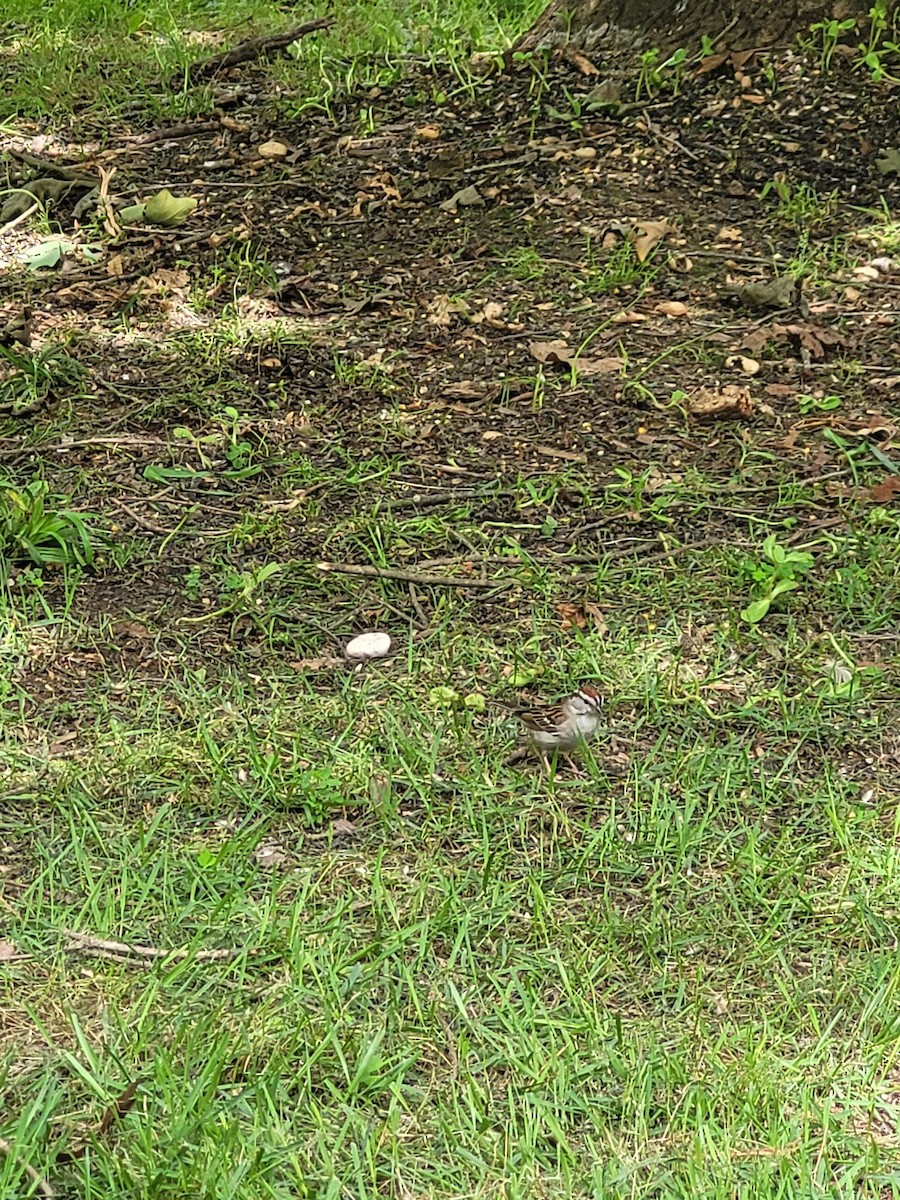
(31, 529)
(240, 589)
(27, 380)
(877, 47)
(812, 404)
(800, 204)
(707, 46)
(652, 77)
(621, 267)
(829, 35)
(778, 572)
(572, 116)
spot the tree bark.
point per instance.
(733, 24)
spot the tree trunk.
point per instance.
(732, 24)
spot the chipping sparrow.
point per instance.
(565, 725)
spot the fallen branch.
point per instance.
(413, 576)
(43, 1187)
(188, 129)
(143, 522)
(124, 952)
(254, 48)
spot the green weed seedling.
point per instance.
(829, 35)
(799, 204)
(778, 572)
(872, 55)
(814, 404)
(27, 380)
(31, 529)
(652, 78)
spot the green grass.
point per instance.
(678, 981)
(442, 976)
(90, 58)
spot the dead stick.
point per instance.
(412, 576)
(85, 941)
(41, 1184)
(254, 48)
(188, 129)
(143, 522)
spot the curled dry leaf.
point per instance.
(368, 645)
(727, 401)
(652, 233)
(749, 366)
(9, 951)
(313, 664)
(579, 616)
(886, 491)
(465, 198)
(441, 310)
(598, 366)
(672, 308)
(552, 353)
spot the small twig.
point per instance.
(453, 496)
(121, 950)
(417, 605)
(125, 439)
(413, 576)
(254, 48)
(187, 129)
(43, 1187)
(143, 522)
(109, 220)
(634, 562)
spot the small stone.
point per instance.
(368, 645)
(272, 150)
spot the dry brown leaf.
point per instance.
(567, 455)
(749, 366)
(313, 664)
(552, 353)
(571, 616)
(595, 613)
(727, 401)
(428, 132)
(598, 366)
(582, 63)
(671, 308)
(652, 234)
(886, 491)
(712, 63)
(627, 318)
(466, 197)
